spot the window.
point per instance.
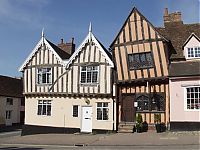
(44, 107)
(193, 98)
(44, 75)
(143, 103)
(89, 74)
(140, 60)
(9, 101)
(8, 114)
(193, 52)
(22, 101)
(75, 110)
(102, 111)
(155, 103)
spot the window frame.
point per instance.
(37, 76)
(185, 99)
(8, 114)
(192, 52)
(74, 116)
(131, 67)
(86, 74)
(102, 110)
(42, 107)
(8, 102)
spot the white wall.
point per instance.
(62, 113)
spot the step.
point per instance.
(125, 131)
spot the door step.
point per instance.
(126, 127)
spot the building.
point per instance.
(184, 71)
(69, 93)
(11, 101)
(141, 56)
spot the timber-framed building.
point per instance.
(141, 57)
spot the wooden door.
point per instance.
(128, 109)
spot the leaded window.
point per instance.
(89, 74)
(9, 101)
(143, 103)
(157, 103)
(44, 107)
(75, 110)
(44, 76)
(150, 103)
(102, 111)
(193, 98)
(140, 60)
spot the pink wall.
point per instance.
(178, 111)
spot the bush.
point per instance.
(139, 118)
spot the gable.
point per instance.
(139, 50)
(136, 28)
(41, 46)
(90, 47)
(192, 40)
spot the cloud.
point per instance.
(22, 11)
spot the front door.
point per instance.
(127, 108)
(86, 119)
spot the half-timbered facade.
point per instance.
(69, 93)
(141, 58)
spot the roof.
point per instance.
(192, 35)
(59, 53)
(178, 33)
(186, 68)
(132, 11)
(11, 87)
(91, 37)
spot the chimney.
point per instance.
(174, 17)
(67, 47)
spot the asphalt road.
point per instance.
(57, 147)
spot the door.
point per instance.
(86, 119)
(22, 116)
(128, 109)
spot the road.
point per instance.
(57, 147)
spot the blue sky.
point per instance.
(21, 22)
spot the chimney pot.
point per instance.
(166, 12)
(61, 41)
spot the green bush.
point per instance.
(139, 118)
(157, 118)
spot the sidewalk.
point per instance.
(118, 139)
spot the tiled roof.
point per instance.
(11, 87)
(185, 68)
(178, 33)
(63, 55)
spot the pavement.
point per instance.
(146, 139)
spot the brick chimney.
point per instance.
(174, 17)
(67, 47)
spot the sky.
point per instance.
(22, 21)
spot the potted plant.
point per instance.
(160, 127)
(139, 123)
(144, 126)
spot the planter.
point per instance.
(160, 127)
(139, 130)
(144, 126)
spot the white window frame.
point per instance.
(48, 103)
(38, 73)
(102, 107)
(193, 50)
(97, 70)
(185, 99)
(8, 114)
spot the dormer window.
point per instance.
(193, 52)
(89, 74)
(44, 76)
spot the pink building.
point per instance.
(184, 72)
